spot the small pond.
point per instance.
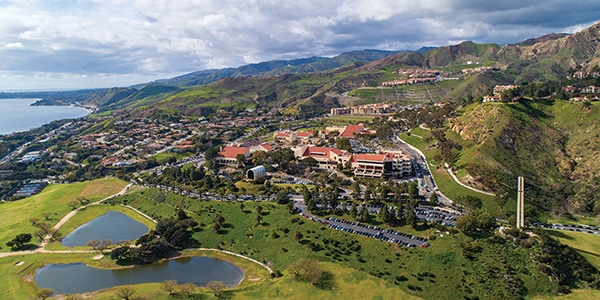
(113, 225)
(79, 278)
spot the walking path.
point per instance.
(464, 185)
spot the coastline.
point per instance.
(19, 115)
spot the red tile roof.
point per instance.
(267, 147)
(232, 152)
(351, 130)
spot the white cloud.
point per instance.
(129, 37)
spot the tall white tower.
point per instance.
(521, 202)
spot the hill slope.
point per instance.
(539, 140)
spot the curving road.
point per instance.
(464, 185)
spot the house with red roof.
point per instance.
(228, 155)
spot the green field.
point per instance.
(53, 199)
(400, 269)
(587, 244)
(361, 267)
(163, 157)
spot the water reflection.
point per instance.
(113, 225)
(79, 278)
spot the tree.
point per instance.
(169, 286)
(307, 269)
(44, 293)
(282, 197)
(211, 153)
(309, 162)
(413, 190)
(353, 211)
(46, 215)
(411, 217)
(93, 243)
(19, 241)
(216, 287)
(125, 292)
(466, 223)
(73, 204)
(188, 289)
(103, 245)
(82, 200)
(73, 297)
(385, 215)
(241, 160)
(433, 198)
(44, 226)
(259, 157)
(34, 221)
(343, 144)
(355, 190)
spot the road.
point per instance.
(427, 184)
(464, 185)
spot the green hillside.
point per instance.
(550, 143)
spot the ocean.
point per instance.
(17, 114)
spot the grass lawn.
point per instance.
(52, 199)
(352, 119)
(164, 156)
(587, 244)
(275, 241)
(579, 294)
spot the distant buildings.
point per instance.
(30, 189)
(499, 89)
(367, 109)
(31, 157)
(491, 98)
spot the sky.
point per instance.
(76, 44)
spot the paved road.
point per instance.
(464, 185)
(426, 182)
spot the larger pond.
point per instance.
(79, 278)
(113, 225)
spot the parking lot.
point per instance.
(444, 216)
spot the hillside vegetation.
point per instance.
(553, 144)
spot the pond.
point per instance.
(79, 278)
(113, 225)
